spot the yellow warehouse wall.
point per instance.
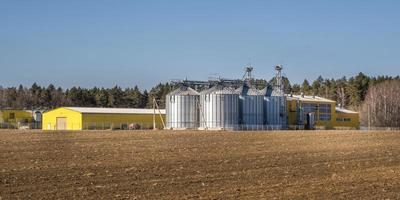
(20, 116)
(115, 121)
(354, 117)
(327, 124)
(79, 121)
(74, 119)
(292, 113)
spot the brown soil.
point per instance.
(199, 165)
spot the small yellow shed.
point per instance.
(84, 118)
(15, 116)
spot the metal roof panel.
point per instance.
(114, 110)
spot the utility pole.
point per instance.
(155, 106)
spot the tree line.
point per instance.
(381, 107)
(38, 97)
(349, 92)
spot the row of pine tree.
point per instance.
(349, 92)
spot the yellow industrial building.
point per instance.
(324, 111)
(83, 118)
(16, 119)
(15, 116)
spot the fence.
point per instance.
(173, 126)
(20, 125)
(380, 128)
(222, 126)
(80, 126)
(245, 127)
(119, 126)
(102, 126)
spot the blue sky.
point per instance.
(127, 43)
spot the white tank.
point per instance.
(182, 109)
(251, 108)
(219, 109)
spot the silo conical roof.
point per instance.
(184, 90)
(219, 90)
(277, 92)
(250, 91)
(267, 91)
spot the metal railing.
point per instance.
(102, 126)
(20, 125)
(222, 126)
(119, 126)
(365, 128)
(171, 126)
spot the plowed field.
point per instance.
(199, 165)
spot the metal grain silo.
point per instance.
(182, 109)
(251, 108)
(274, 108)
(219, 109)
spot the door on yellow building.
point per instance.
(61, 123)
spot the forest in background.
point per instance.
(349, 92)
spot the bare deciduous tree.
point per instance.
(381, 107)
(342, 98)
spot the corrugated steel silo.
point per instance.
(251, 107)
(182, 109)
(274, 108)
(219, 109)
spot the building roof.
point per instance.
(342, 110)
(115, 110)
(309, 98)
(15, 110)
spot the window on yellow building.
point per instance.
(309, 107)
(325, 112)
(12, 116)
(343, 119)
